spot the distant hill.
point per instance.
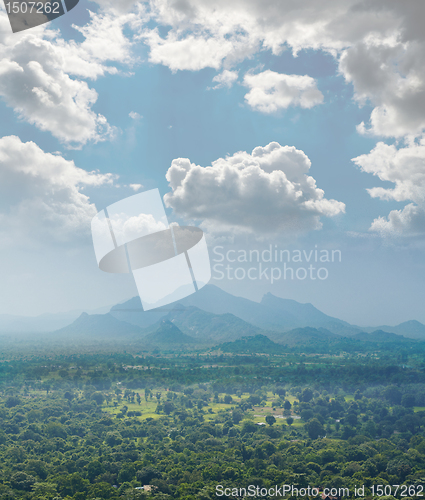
(409, 329)
(380, 336)
(210, 327)
(307, 335)
(306, 315)
(252, 345)
(132, 312)
(98, 325)
(412, 329)
(169, 334)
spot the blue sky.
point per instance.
(89, 114)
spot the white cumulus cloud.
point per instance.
(40, 195)
(266, 192)
(405, 168)
(42, 75)
(271, 91)
(225, 79)
(410, 221)
(379, 47)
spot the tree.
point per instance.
(351, 419)
(126, 473)
(12, 401)
(280, 391)
(55, 429)
(168, 407)
(270, 419)
(113, 438)
(101, 490)
(408, 400)
(146, 474)
(248, 427)
(290, 420)
(22, 481)
(44, 490)
(98, 397)
(393, 394)
(287, 405)
(71, 484)
(68, 395)
(94, 469)
(306, 395)
(314, 428)
(237, 416)
(307, 414)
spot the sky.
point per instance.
(284, 125)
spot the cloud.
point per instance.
(37, 69)
(216, 33)
(225, 79)
(127, 228)
(241, 28)
(379, 47)
(389, 73)
(40, 195)
(405, 168)
(410, 221)
(266, 192)
(191, 53)
(135, 116)
(271, 91)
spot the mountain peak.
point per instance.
(412, 323)
(168, 333)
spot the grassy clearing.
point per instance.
(210, 412)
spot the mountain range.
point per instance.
(272, 313)
(212, 316)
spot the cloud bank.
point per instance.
(40, 196)
(41, 75)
